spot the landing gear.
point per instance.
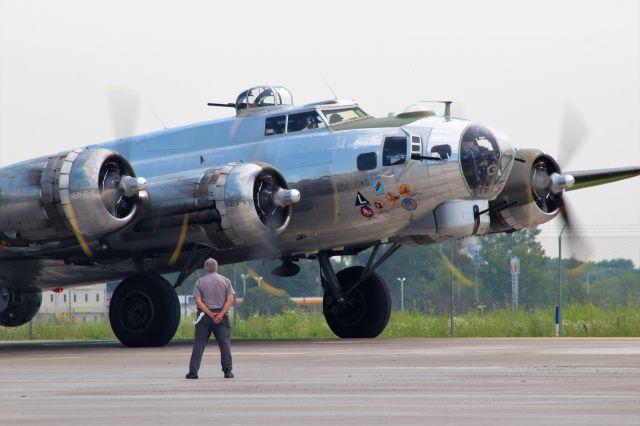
(367, 307)
(144, 311)
(18, 307)
(356, 300)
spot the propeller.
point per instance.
(574, 131)
(273, 204)
(118, 188)
(273, 201)
(548, 183)
(124, 108)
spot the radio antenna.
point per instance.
(327, 83)
(157, 116)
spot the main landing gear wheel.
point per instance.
(144, 311)
(367, 308)
(18, 307)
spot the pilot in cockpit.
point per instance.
(469, 154)
(310, 123)
(470, 149)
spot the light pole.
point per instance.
(244, 283)
(260, 281)
(401, 292)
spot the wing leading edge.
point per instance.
(588, 178)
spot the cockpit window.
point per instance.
(394, 151)
(335, 116)
(275, 125)
(304, 121)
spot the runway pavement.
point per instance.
(544, 381)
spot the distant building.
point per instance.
(87, 303)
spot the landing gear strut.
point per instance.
(356, 301)
(144, 311)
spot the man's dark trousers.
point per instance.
(222, 333)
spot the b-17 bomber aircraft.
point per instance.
(277, 180)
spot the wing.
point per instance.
(588, 178)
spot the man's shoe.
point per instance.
(191, 376)
(228, 375)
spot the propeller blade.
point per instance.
(564, 212)
(576, 246)
(574, 131)
(124, 107)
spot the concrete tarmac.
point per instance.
(501, 381)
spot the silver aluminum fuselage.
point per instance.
(320, 163)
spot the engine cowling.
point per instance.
(84, 193)
(527, 199)
(254, 202)
(229, 206)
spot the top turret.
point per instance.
(263, 96)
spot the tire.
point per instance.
(368, 309)
(18, 307)
(144, 311)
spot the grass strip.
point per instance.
(579, 321)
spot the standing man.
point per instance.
(214, 296)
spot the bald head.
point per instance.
(211, 265)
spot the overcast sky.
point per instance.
(512, 65)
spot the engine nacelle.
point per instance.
(237, 204)
(87, 193)
(527, 199)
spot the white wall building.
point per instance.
(88, 303)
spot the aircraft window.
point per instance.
(275, 125)
(86, 297)
(304, 121)
(479, 155)
(367, 161)
(335, 116)
(394, 151)
(266, 98)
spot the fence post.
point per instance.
(234, 302)
(453, 330)
(559, 307)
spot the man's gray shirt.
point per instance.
(214, 289)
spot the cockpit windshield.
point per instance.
(335, 116)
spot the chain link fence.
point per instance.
(494, 277)
(589, 272)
